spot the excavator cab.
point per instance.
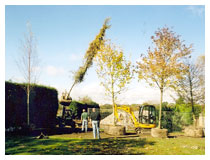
(147, 114)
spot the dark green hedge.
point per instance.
(175, 119)
(77, 108)
(43, 105)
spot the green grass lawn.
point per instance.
(58, 145)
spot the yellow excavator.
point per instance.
(146, 117)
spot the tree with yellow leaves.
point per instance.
(113, 70)
(163, 64)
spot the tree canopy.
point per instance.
(163, 64)
(113, 70)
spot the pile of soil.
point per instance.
(125, 120)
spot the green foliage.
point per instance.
(181, 106)
(106, 110)
(43, 105)
(176, 116)
(198, 109)
(178, 121)
(167, 120)
(174, 119)
(77, 108)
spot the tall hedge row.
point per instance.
(43, 105)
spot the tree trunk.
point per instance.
(28, 102)
(192, 100)
(28, 87)
(71, 89)
(114, 109)
(114, 112)
(160, 111)
(113, 102)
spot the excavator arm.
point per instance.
(129, 112)
(132, 117)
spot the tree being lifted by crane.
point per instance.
(93, 49)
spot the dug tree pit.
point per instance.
(114, 130)
(160, 133)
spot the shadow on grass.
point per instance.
(60, 146)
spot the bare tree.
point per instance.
(28, 63)
(192, 87)
(200, 63)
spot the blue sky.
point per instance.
(64, 32)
